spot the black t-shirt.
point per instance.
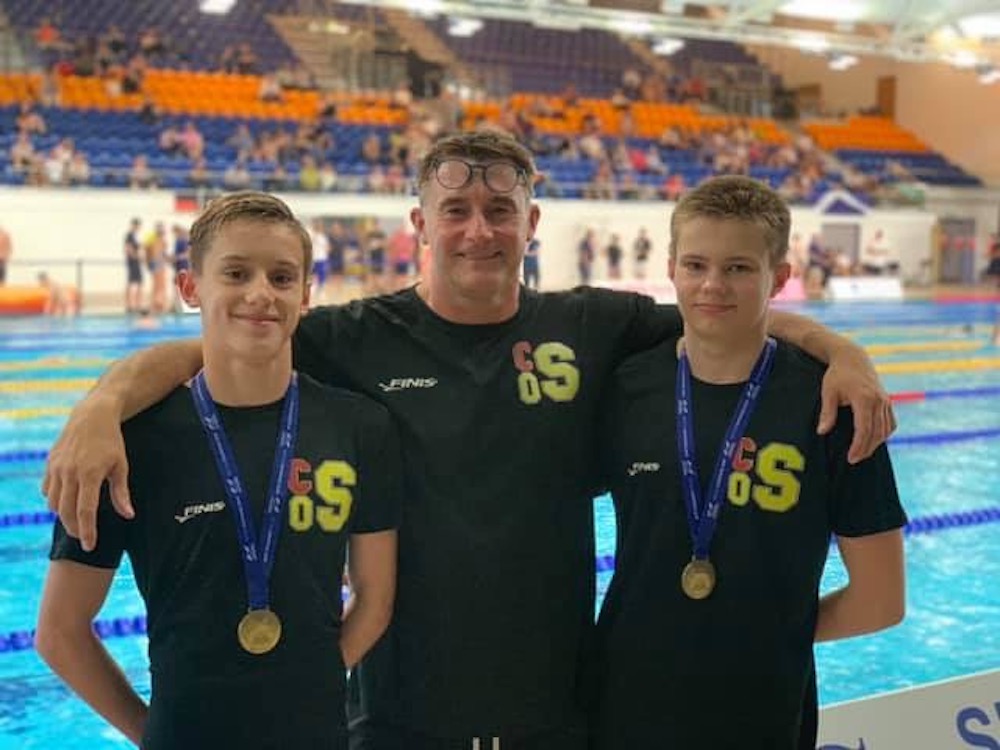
(498, 422)
(734, 670)
(344, 479)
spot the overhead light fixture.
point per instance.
(631, 26)
(811, 43)
(842, 11)
(667, 46)
(559, 23)
(216, 7)
(988, 74)
(980, 26)
(843, 61)
(962, 58)
(427, 8)
(464, 26)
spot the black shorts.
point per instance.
(369, 736)
(134, 269)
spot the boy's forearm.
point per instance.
(138, 381)
(363, 624)
(843, 614)
(85, 665)
(809, 335)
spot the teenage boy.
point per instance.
(238, 541)
(706, 634)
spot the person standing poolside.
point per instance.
(6, 251)
(238, 541)
(706, 633)
(497, 391)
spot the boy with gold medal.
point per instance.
(706, 633)
(248, 639)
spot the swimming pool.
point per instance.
(946, 455)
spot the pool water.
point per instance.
(953, 619)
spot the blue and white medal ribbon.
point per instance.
(260, 629)
(698, 577)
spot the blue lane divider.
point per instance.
(934, 437)
(10, 457)
(919, 525)
(116, 627)
(28, 518)
(987, 390)
(119, 627)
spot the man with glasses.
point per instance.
(496, 390)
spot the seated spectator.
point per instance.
(654, 163)
(628, 188)
(227, 60)
(242, 140)
(48, 91)
(309, 179)
(199, 176)
(134, 75)
(371, 149)
(592, 147)
(170, 141)
(277, 179)
(395, 180)
(270, 89)
(237, 176)
(327, 177)
(149, 113)
(327, 108)
(674, 187)
(78, 170)
(140, 176)
(115, 41)
(55, 169)
(48, 37)
(191, 141)
(602, 186)
(376, 181)
(30, 121)
(631, 83)
(246, 60)
(22, 153)
(151, 44)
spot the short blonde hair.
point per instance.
(249, 205)
(736, 198)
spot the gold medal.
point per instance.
(698, 579)
(259, 631)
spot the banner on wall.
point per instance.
(865, 288)
(957, 714)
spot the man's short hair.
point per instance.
(480, 146)
(732, 197)
(248, 205)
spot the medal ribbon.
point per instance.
(702, 521)
(258, 553)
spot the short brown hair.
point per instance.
(479, 146)
(739, 199)
(248, 205)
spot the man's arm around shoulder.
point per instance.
(90, 448)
